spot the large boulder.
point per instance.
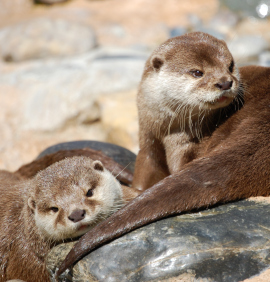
(43, 38)
(227, 243)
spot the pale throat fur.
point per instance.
(186, 83)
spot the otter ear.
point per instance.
(31, 203)
(97, 165)
(157, 62)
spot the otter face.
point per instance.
(194, 71)
(71, 196)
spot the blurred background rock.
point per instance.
(69, 70)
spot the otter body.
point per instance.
(63, 201)
(229, 161)
(190, 85)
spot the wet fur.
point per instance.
(233, 163)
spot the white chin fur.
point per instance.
(167, 89)
(163, 85)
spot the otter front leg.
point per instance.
(179, 151)
(150, 167)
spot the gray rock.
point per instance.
(212, 32)
(228, 243)
(224, 21)
(243, 7)
(45, 37)
(247, 47)
(177, 31)
(264, 59)
(56, 92)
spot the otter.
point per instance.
(65, 200)
(189, 87)
(228, 161)
(31, 169)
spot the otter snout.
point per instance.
(224, 85)
(77, 215)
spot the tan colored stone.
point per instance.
(14, 7)
(20, 147)
(119, 116)
(263, 277)
(253, 26)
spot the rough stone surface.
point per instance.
(228, 243)
(54, 92)
(45, 37)
(91, 96)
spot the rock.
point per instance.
(120, 118)
(263, 277)
(45, 37)
(47, 102)
(212, 32)
(14, 7)
(54, 93)
(228, 243)
(177, 31)
(247, 47)
(253, 27)
(224, 21)
(244, 7)
(119, 154)
(264, 59)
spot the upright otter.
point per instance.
(230, 162)
(186, 91)
(63, 201)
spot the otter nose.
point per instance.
(77, 215)
(224, 85)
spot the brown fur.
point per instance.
(171, 136)
(233, 163)
(65, 184)
(31, 169)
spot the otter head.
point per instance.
(71, 196)
(195, 71)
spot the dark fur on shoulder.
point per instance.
(31, 169)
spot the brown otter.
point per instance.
(187, 85)
(31, 169)
(63, 201)
(230, 162)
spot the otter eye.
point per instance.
(196, 73)
(89, 193)
(54, 209)
(231, 66)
